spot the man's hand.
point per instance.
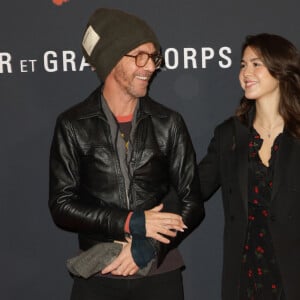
(124, 264)
(158, 223)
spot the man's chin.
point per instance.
(141, 93)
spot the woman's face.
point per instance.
(255, 78)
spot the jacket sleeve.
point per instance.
(185, 182)
(68, 210)
(209, 168)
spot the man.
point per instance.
(114, 158)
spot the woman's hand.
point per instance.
(159, 223)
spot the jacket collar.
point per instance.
(93, 107)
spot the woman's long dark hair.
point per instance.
(282, 60)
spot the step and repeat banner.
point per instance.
(42, 72)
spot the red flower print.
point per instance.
(259, 249)
(256, 189)
(247, 247)
(255, 201)
(270, 183)
(261, 234)
(251, 218)
(265, 213)
(274, 286)
(256, 136)
(251, 144)
(250, 273)
(259, 271)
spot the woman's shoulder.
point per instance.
(227, 125)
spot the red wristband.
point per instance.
(126, 225)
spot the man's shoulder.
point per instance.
(157, 109)
(86, 108)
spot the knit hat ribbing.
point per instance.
(110, 34)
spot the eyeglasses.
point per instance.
(142, 58)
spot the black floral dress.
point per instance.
(260, 276)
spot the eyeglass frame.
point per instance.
(153, 56)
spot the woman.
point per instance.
(255, 158)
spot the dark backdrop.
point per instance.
(41, 74)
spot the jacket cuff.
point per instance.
(137, 225)
(142, 252)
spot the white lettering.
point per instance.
(227, 60)
(5, 62)
(206, 54)
(174, 53)
(50, 65)
(174, 58)
(27, 63)
(189, 54)
(83, 64)
(69, 59)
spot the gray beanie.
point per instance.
(109, 35)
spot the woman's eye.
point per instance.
(257, 64)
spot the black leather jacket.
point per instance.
(87, 191)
